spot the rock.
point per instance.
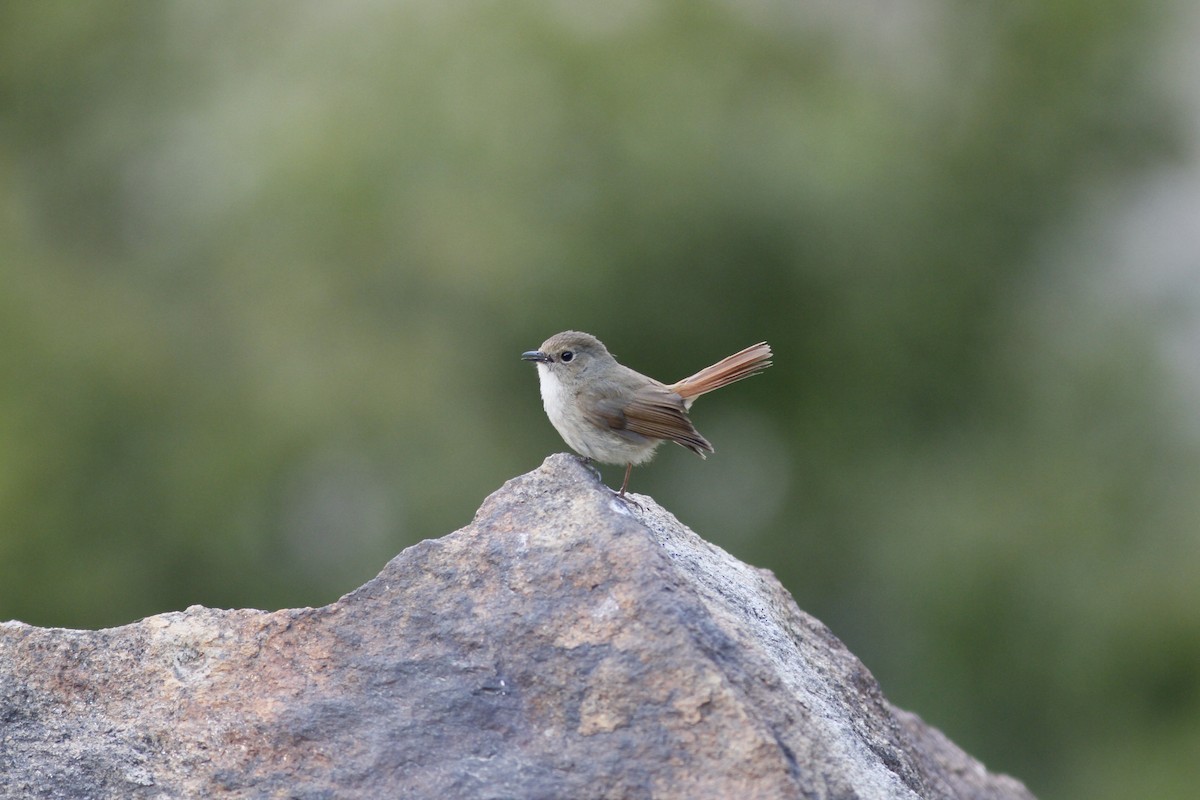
(563, 645)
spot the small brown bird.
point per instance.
(610, 413)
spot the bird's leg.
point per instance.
(625, 483)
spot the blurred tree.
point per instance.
(267, 269)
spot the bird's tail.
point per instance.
(743, 364)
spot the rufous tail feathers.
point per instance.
(743, 364)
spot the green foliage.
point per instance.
(266, 270)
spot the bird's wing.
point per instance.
(652, 412)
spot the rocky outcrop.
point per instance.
(565, 644)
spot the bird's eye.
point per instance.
(567, 355)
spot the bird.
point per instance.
(609, 413)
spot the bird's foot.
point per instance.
(628, 500)
(591, 465)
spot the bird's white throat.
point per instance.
(554, 399)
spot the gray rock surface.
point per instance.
(563, 645)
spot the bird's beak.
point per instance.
(535, 355)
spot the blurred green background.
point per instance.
(266, 270)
